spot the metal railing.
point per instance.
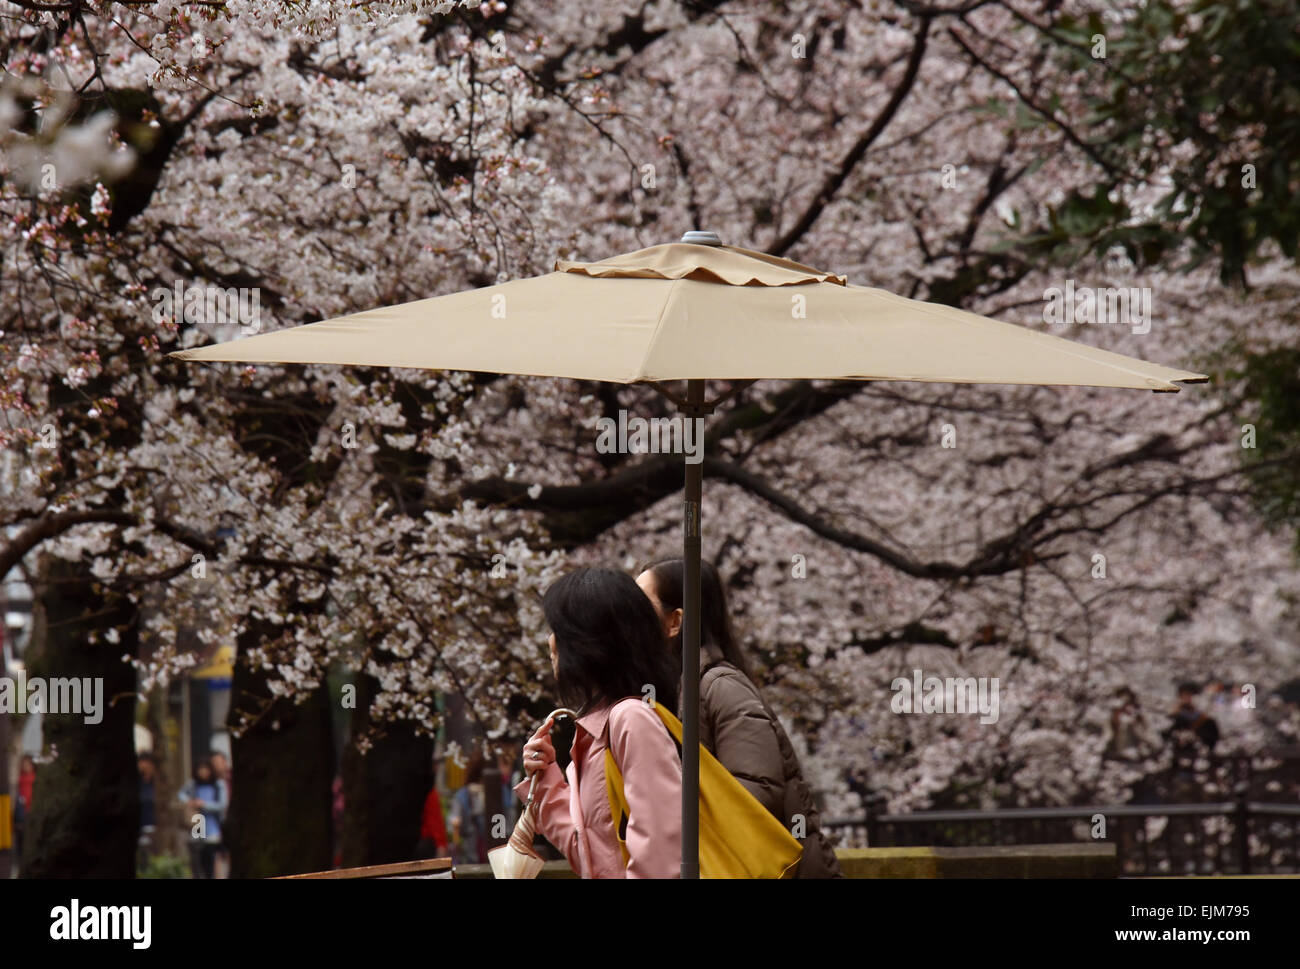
(1226, 837)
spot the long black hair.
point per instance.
(608, 639)
(201, 763)
(669, 577)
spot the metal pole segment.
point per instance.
(6, 802)
(691, 650)
(8, 854)
(736, 387)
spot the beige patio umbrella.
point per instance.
(694, 311)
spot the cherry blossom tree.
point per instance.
(321, 158)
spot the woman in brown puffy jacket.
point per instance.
(736, 725)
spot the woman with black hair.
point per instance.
(205, 803)
(611, 665)
(736, 725)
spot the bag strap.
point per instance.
(618, 808)
(671, 722)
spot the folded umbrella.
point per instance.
(516, 858)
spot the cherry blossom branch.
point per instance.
(835, 181)
(1030, 102)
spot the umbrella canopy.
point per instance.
(685, 311)
(695, 311)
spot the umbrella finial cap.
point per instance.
(700, 238)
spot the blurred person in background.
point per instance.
(1129, 739)
(221, 768)
(433, 827)
(336, 815)
(1192, 734)
(468, 827)
(507, 758)
(204, 798)
(23, 804)
(1190, 726)
(148, 771)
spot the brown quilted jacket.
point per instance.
(739, 729)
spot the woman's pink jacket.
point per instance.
(576, 818)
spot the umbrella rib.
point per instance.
(659, 325)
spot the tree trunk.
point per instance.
(85, 818)
(283, 767)
(383, 790)
(167, 829)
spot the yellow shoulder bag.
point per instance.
(739, 838)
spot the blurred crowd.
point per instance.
(462, 818)
(1204, 719)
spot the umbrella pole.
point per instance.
(691, 648)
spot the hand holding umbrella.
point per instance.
(516, 858)
(539, 751)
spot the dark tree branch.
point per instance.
(835, 181)
(577, 513)
(1090, 150)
